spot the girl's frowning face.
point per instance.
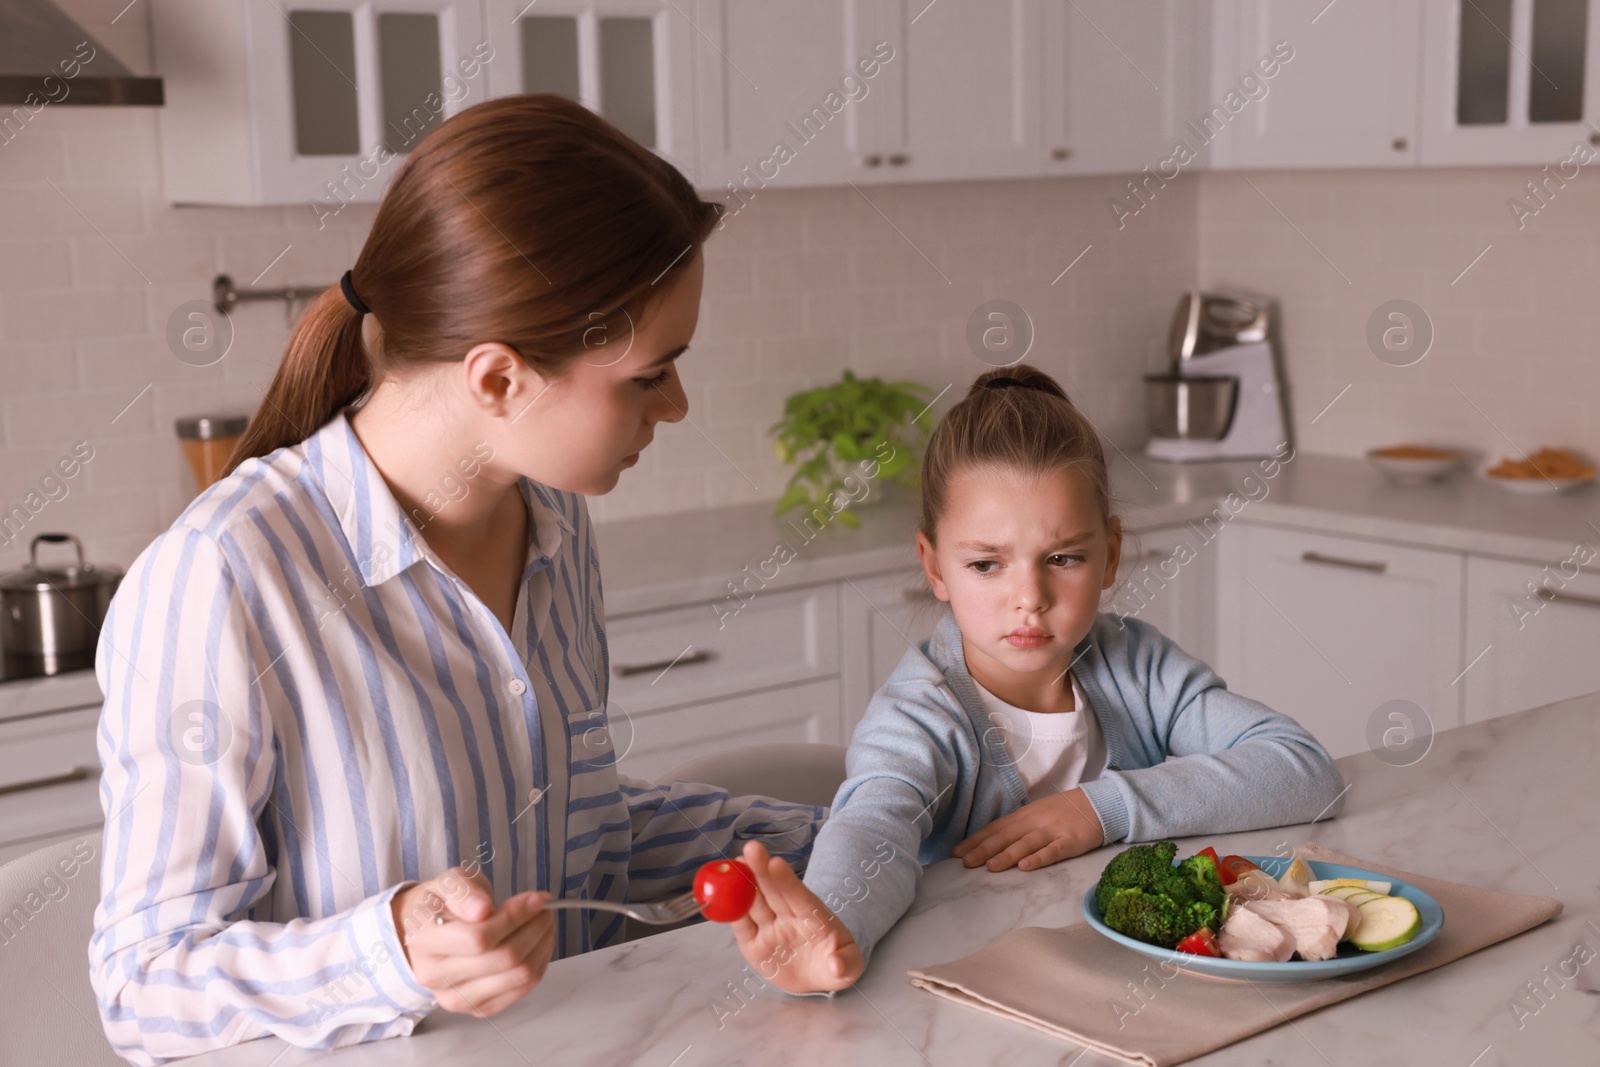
(1022, 559)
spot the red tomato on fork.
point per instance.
(724, 889)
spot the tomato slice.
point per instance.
(724, 889)
(1200, 943)
(1232, 867)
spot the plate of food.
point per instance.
(1414, 464)
(1258, 918)
(1544, 472)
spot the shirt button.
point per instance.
(534, 795)
(517, 686)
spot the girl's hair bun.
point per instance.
(1021, 376)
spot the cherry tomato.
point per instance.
(1200, 943)
(1232, 867)
(724, 889)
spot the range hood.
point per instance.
(47, 57)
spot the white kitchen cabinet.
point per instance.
(1532, 630)
(781, 93)
(1327, 629)
(1511, 81)
(880, 617)
(1167, 578)
(307, 101)
(630, 61)
(1346, 98)
(960, 100)
(49, 779)
(1119, 80)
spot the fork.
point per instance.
(653, 913)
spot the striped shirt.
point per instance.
(307, 710)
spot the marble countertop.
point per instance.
(667, 560)
(1511, 803)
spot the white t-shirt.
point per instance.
(1053, 751)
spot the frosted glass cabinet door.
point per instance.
(342, 90)
(1347, 97)
(627, 60)
(1511, 81)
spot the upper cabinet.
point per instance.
(1510, 81)
(1119, 82)
(1308, 83)
(961, 98)
(311, 102)
(785, 94)
(627, 60)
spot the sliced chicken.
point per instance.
(1249, 936)
(1314, 923)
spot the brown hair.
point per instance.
(527, 220)
(1026, 424)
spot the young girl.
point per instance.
(1029, 728)
(354, 731)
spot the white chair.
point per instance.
(794, 771)
(48, 1012)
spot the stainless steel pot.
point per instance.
(50, 617)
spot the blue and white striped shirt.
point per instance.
(306, 710)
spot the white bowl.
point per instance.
(1408, 470)
(1538, 486)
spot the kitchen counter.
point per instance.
(705, 550)
(1512, 804)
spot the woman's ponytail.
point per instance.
(325, 369)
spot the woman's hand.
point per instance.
(483, 958)
(1036, 835)
(790, 937)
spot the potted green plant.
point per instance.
(844, 436)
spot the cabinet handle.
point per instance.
(918, 595)
(627, 670)
(1060, 153)
(1400, 144)
(899, 159)
(872, 159)
(1376, 566)
(1551, 596)
(76, 774)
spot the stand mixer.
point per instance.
(1223, 398)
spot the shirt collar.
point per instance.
(383, 538)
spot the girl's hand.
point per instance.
(790, 937)
(1036, 835)
(484, 958)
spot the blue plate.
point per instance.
(1349, 960)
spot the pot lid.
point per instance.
(34, 578)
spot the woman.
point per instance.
(355, 731)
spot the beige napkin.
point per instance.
(1079, 985)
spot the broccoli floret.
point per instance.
(1201, 872)
(1137, 867)
(1154, 918)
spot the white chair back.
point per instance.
(48, 1012)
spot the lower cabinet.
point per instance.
(880, 617)
(1329, 630)
(1532, 634)
(49, 779)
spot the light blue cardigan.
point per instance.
(926, 767)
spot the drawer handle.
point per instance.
(76, 774)
(919, 595)
(628, 670)
(1551, 596)
(1376, 566)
